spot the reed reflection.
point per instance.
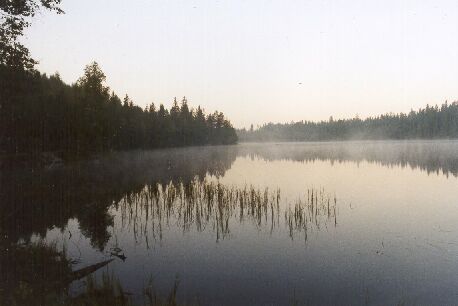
(204, 205)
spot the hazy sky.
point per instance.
(261, 61)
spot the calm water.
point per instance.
(383, 228)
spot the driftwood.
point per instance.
(79, 274)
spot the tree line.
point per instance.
(431, 122)
(43, 114)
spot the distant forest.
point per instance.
(427, 123)
(43, 114)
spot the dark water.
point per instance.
(322, 223)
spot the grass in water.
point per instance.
(39, 274)
(212, 206)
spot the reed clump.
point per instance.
(206, 205)
(317, 209)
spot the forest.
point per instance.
(431, 122)
(43, 114)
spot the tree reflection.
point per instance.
(36, 200)
(430, 156)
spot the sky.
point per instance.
(260, 61)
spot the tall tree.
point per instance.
(15, 17)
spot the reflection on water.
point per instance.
(202, 205)
(432, 156)
(36, 201)
(323, 223)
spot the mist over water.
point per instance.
(319, 223)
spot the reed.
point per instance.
(205, 205)
(312, 213)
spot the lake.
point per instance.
(334, 223)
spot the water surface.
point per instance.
(337, 223)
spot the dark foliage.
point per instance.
(43, 114)
(15, 17)
(427, 123)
